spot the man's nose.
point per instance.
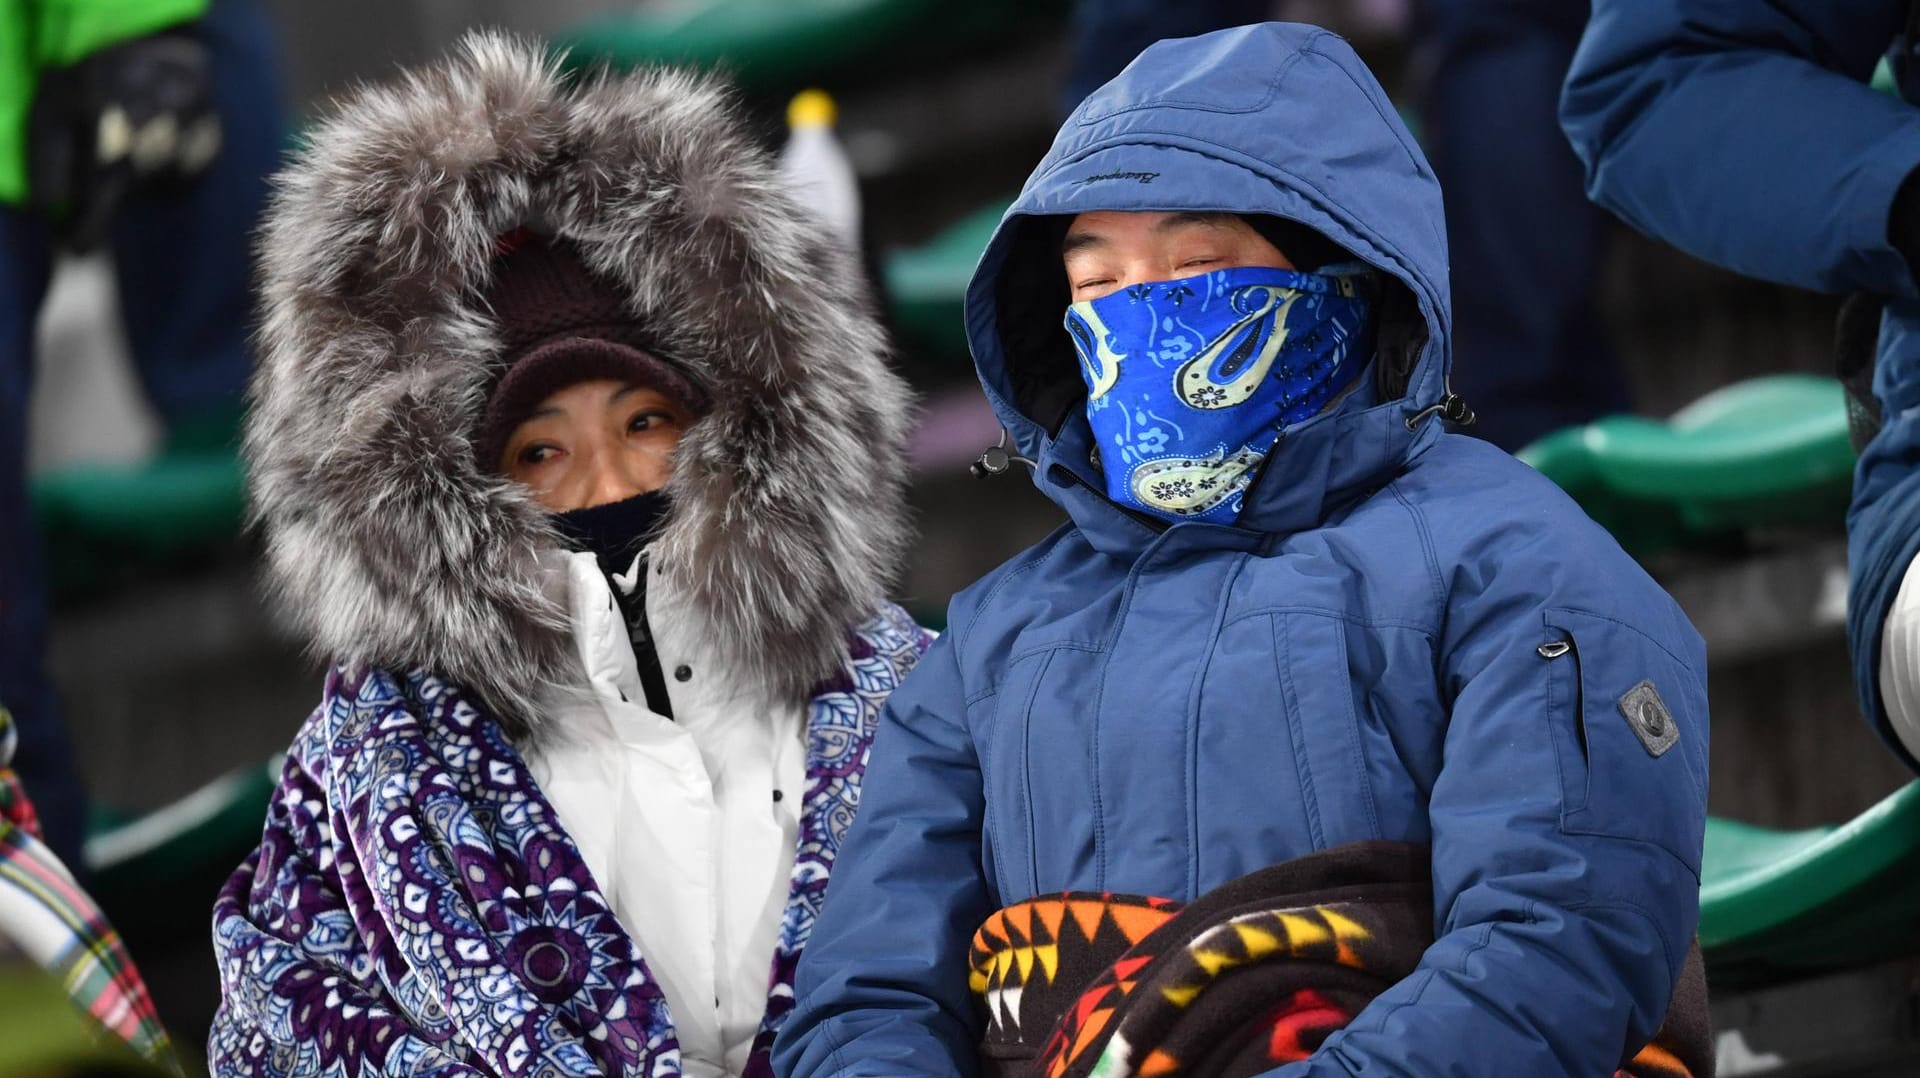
(1143, 271)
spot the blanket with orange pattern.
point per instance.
(1252, 975)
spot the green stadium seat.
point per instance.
(101, 521)
(158, 872)
(927, 285)
(1779, 903)
(1766, 452)
(776, 44)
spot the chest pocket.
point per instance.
(1630, 724)
(1279, 765)
(1004, 742)
(1318, 684)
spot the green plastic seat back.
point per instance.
(159, 872)
(106, 523)
(772, 44)
(1765, 452)
(1819, 898)
(927, 285)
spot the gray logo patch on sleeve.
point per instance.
(1647, 716)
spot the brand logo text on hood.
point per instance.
(1138, 177)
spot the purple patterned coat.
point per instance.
(415, 907)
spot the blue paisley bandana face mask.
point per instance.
(1190, 382)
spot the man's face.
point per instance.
(1108, 250)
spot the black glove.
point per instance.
(1903, 220)
(1857, 329)
(131, 118)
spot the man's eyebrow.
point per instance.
(1187, 218)
(1172, 222)
(1080, 241)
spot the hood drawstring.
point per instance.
(997, 459)
(1452, 408)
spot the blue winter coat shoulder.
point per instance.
(1487, 514)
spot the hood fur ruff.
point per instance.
(387, 542)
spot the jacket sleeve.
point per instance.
(1744, 133)
(882, 986)
(1566, 852)
(299, 990)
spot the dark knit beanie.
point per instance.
(561, 325)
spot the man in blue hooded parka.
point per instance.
(1289, 611)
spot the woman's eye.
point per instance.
(648, 420)
(538, 453)
(1192, 262)
(1098, 282)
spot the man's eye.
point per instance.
(1096, 282)
(649, 420)
(1202, 261)
(538, 453)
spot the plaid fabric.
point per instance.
(14, 806)
(54, 922)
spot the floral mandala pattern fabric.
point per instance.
(414, 906)
(1190, 381)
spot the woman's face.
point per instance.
(594, 443)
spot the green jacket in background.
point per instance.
(39, 34)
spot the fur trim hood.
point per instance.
(387, 542)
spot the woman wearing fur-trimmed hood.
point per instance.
(577, 454)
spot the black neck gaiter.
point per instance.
(614, 533)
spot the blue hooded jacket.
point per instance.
(1409, 635)
(1746, 134)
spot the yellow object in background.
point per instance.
(816, 167)
(812, 108)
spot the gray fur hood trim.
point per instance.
(390, 546)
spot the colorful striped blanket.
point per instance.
(1253, 975)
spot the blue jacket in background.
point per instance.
(1376, 651)
(1745, 133)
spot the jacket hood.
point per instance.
(390, 545)
(1274, 119)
